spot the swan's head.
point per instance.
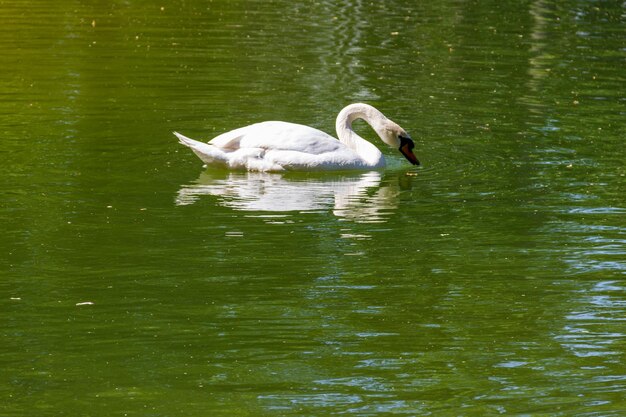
(396, 137)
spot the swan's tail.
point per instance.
(209, 154)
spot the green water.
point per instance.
(490, 281)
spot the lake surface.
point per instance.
(489, 281)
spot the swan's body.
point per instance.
(280, 146)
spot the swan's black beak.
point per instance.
(406, 149)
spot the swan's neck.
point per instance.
(366, 150)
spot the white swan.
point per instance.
(282, 146)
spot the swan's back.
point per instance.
(281, 136)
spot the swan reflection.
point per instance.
(362, 198)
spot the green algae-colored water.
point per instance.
(489, 281)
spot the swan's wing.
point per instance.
(340, 159)
(278, 136)
(230, 140)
